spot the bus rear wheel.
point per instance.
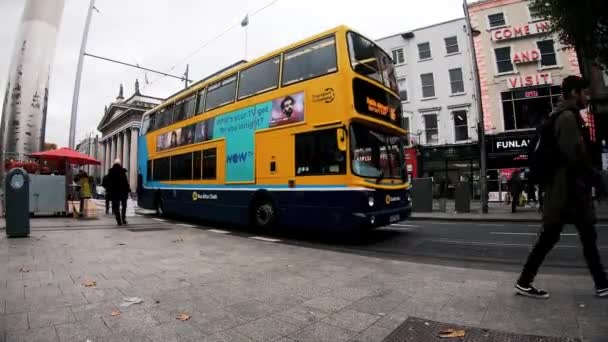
(264, 214)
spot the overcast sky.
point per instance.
(160, 33)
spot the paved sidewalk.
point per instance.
(235, 288)
(497, 212)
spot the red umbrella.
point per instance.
(71, 156)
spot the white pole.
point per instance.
(83, 47)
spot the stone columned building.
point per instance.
(119, 129)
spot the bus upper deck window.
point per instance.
(309, 61)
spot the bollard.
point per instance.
(17, 197)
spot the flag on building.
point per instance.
(245, 21)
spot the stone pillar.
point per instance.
(113, 154)
(106, 157)
(103, 159)
(119, 147)
(133, 161)
(125, 149)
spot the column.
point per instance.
(119, 147)
(113, 154)
(107, 157)
(133, 160)
(125, 149)
(103, 159)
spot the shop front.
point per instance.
(507, 152)
(449, 164)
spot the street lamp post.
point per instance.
(481, 131)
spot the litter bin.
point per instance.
(17, 188)
(462, 197)
(422, 195)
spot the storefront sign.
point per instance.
(526, 30)
(529, 81)
(531, 93)
(526, 56)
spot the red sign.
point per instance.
(521, 31)
(531, 93)
(529, 81)
(526, 56)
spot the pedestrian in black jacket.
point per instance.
(119, 190)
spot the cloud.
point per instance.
(158, 34)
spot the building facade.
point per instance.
(119, 129)
(521, 66)
(434, 71)
(91, 146)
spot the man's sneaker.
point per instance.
(603, 292)
(531, 291)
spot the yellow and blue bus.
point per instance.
(307, 135)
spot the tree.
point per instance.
(580, 24)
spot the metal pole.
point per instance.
(186, 75)
(83, 46)
(481, 131)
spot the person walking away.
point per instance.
(515, 188)
(119, 191)
(568, 190)
(85, 189)
(105, 182)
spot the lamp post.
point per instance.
(481, 132)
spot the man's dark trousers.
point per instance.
(120, 213)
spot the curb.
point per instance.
(487, 219)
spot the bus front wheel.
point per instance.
(264, 214)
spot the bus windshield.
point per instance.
(375, 154)
(369, 60)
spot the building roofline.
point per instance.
(423, 28)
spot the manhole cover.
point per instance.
(421, 330)
(137, 230)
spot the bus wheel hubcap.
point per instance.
(265, 214)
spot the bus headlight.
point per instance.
(370, 201)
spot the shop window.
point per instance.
(161, 169)
(456, 81)
(221, 93)
(398, 56)
(431, 128)
(309, 61)
(503, 59)
(181, 167)
(402, 83)
(210, 163)
(451, 45)
(547, 53)
(428, 85)
(424, 51)
(461, 127)
(317, 153)
(259, 78)
(497, 20)
(526, 109)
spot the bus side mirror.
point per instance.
(341, 139)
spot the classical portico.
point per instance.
(120, 128)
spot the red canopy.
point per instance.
(72, 157)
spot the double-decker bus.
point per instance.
(307, 135)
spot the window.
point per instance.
(149, 170)
(405, 124)
(308, 61)
(461, 128)
(503, 59)
(209, 163)
(451, 45)
(431, 128)
(200, 105)
(317, 153)
(221, 93)
(523, 109)
(369, 60)
(145, 125)
(424, 51)
(185, 109)
(165, 117)
(181, 167)
(153, 122)
(497, 20)
(259, 78)
(402, 82)
(162, 169)
(456, 81)
(428, 85)
(547, 53)
(375, 154)
(197, 166)
(398, 56)
(534, 15)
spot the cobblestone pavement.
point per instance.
(68, 280)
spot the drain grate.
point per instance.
(137, 230)
(421, 330)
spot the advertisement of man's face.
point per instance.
(203, 130)
(175, 138)
(287, 110)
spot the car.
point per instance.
(100, 192)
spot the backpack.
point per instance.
(544, 154)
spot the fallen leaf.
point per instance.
(89, 283)
(24, 270)
(452, 333)
(178, 240)
(116, 312)
(157, 301)
(122, 244)
(183, 317)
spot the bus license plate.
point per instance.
(395, 218)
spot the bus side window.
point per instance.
(317, 153)
(309, 61)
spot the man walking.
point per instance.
(119, 190)
(568, 192)
(515, 187)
